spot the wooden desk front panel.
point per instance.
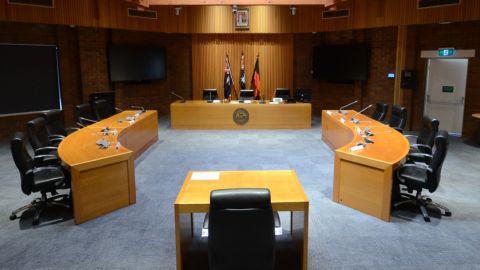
(363, 179)
(103, 180)
(202, 115)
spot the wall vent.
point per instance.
(333, 14)
(36, 3)
(436, 3)
(144, 14)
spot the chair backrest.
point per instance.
(210, 94)
(101, 109)
(282, 92)
(241, 230)
(37, 133)
(23, 161)
(441, 147)
(83, 111)
(380, 112)
(398, 119)
(429, 131)
(54, 122)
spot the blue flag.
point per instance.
(243, 81)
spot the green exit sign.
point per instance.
(446, 52)
(447, 89)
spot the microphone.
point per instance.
(178, 96)
(346, 106)
(142, 109)
(355, 120)
(88, 120)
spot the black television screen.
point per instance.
(29, 78)
(341, 62)
(136, 64)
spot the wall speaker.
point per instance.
(144, 14)
(333, 14)
(36, 3)
(408, 80)
(436, 3)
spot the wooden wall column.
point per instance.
(402, 32)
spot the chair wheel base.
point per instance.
(13, 217)
(427, 219)
(448, 214)
(35, 222)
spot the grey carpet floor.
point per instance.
(142, 236)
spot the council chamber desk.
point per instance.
(198, 114)
(103, 180)
(286, 195)
(363, 178)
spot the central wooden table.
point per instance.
(103, 180)
(363, 178)
(198, 114)
(286, 194)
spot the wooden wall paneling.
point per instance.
(208, 54)
(400, 63)
(367, 14)
(471, 10)
(3, 10)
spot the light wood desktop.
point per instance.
(363, 178)
(286, 194)
(198, 114)
(103, 180)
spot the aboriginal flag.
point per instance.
(255, 84)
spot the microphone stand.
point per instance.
(346, 106)
(355, 120)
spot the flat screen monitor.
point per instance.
(303, 95)
(29, 78)
(246, 94)
(136, 64)
(339, 63)
(283, 93)
(210, 94)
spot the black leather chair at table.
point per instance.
(398, 119)
(84, 115)
(101, 109)
(55, 124)
(419, 176)
(423, 143)
(39, 139)
(241, 230)
(39, 174)
(381, 110)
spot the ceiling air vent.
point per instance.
(333, 14)
(144, 14)
(436, 3)
(37, 3)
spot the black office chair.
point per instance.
(101, 109)
(55, 124)
(241, 230)
(418, 176)
(381, 110)
(84, 115)
(39, 139)
(423, 143)
(40, 174)
(398, 120)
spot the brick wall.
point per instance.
(377, 88)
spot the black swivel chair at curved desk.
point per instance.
(55, 124)
(38, 174)
(38, 136)
(101, 109)
(84, 115)
(241, 230)
(419, 176)
(381, 110)
(398, 119)
(423, 143)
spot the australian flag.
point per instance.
(227, 80)
(243, 81)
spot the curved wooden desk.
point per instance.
(363, 178)
(103, 180)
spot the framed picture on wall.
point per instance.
(242, 18)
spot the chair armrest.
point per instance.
(59, 179)
(118, 109)
(55, 136)
(71, 129)
(421, 166)
(45, 160)
(80, 126)
(412, 139)
(45, 150)
(56, 141)
(424, 148)
(420, 157)
(398, 129)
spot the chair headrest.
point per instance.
(241, 198)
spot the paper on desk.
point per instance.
(205, 176)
